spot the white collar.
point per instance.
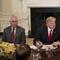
(49, 29)
(12, 28)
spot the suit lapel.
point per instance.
(54, 34)
(46, 34)
(9, 30)
(45, 30)
(16, 33)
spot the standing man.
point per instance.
(49, 33)
(14, 33)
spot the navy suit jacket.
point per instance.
(42, 35)
(19, 37)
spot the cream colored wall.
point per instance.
(0, 7)
(17, 8)
(40, 3)
(6, 12)
(6, 7)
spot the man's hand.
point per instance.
(39, 44)
(56, 44)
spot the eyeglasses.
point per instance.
(14, 21)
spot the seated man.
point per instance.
(49, 33)
(14, 33)
(23, 52)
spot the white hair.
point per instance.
(12, 17)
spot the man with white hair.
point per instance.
(14, 33)
(48, 33)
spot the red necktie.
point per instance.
(13, 36)
(50, 36)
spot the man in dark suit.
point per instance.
(14, 33)
(49, 33)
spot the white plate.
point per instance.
(33, 47)
(47, 47)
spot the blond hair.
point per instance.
(50, 18)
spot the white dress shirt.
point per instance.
(14, 30)
(49, 31)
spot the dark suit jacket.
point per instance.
(42, 35)
(19, 37)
